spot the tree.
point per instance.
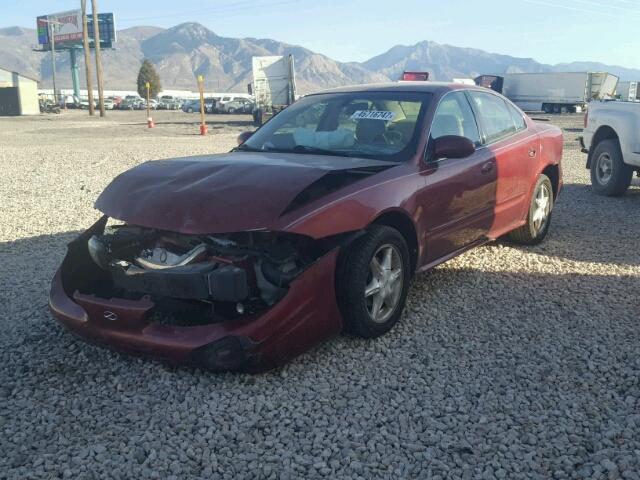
(146, 74)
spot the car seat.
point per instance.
(370, 132)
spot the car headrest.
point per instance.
(369, 131)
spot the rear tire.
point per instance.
(538, 216)
(610, 176)
(372, 282)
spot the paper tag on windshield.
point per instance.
(373, 115)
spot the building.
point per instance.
(18, 94)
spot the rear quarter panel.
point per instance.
(551, 149)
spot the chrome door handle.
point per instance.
(486, 168)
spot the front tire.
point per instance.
(538, 216)
(373, 281)
(610, 176)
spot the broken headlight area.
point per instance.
(191, 279)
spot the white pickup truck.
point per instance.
(611, 138)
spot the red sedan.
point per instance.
(314, 224)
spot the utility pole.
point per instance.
(87, 57)
(96, 37)
(50, 26)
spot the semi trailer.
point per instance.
(274, 85)
(628, 91)
(557, 92)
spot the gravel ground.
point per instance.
(509, 363)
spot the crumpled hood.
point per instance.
(217, 193)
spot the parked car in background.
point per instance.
(153, 103)
(239, 105)
(191, 106)
(129, 103)
(71, 101)
(211, 105)
(611, 139)
(315, 223)
(169, 102)
(108, 104)
(228, 99)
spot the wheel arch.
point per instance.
(553, 172)
(401, 221)
(604, 132)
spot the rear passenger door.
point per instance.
(514, 147)
(459, 196)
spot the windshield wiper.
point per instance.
(296, 149)
(244, 148)
(308, 149)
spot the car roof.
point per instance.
(425, 86)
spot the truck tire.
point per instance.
(610, 176)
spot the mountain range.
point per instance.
(187, 50)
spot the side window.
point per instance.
(496, 117)
(518, 119)
(455, 117)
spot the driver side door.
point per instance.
(459, 195)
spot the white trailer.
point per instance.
(274, 85)
(464, 81)
(628, 91)
(558, 92)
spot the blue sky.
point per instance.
(551, 31)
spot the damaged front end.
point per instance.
(224, 301)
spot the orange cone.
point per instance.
(203, 129)
(150, 123)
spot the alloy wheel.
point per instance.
(384, 283)
(542, 208)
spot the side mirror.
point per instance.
(243, 137)
(453, 146)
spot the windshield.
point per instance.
(380, 125)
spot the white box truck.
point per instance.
(558, 92)
(274, 85)
(628, 92)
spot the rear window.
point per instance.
(518, 118)
(496, 119)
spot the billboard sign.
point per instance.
(107, 30)
(67, 27)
